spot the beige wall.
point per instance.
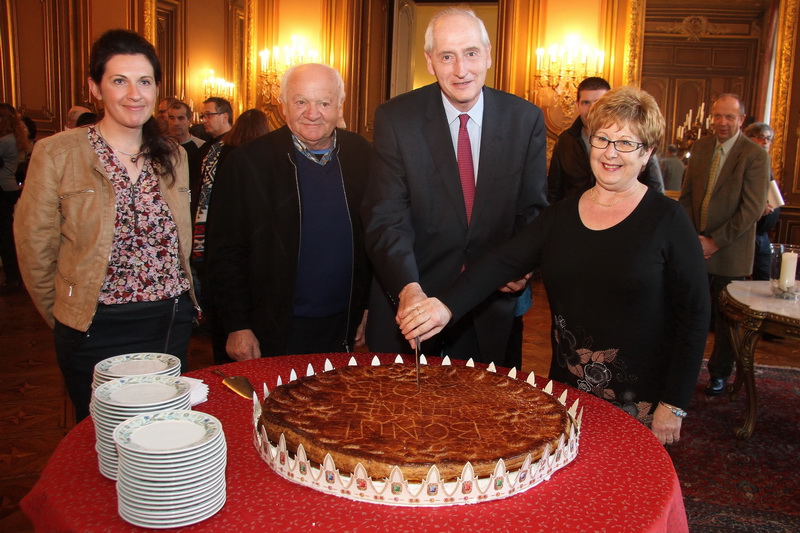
(106, 15)
(205, 46)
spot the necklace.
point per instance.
(133, 157)
(591, 196)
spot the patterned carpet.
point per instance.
(750, 487)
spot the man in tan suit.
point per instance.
(725, 192)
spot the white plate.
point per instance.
(136, 497)
(212, 446)
(167, 432)
(158, 489)
(100, 378)
(131, 491)
(187, 473)
(132, 364)
(211, 458)
(109, 473)
(176, 513)
(121, 414)
(141, 391)
(116, 418)
(201, 515)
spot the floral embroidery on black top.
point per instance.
(598, 372)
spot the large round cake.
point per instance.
(376, 416)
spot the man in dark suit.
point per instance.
(446, 189)
(725, 193)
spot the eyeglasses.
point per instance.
(762, 137)
(206, 116)
(620, 145)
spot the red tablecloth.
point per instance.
(622, 479)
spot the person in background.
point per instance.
(570, 173)
(623, 270)
(161, 114)
(86, 119)
(725, 193)
(457, 168)
(251, 124)
(73, 114)
(14, 144)
(672, 169)
(762, 134)
(22, 166)
(31, 125)
(286, 255)
(103, 228)
(217, 116)
(179, 118)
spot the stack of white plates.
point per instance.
(120, 399)
(135, 364)
(171, 468)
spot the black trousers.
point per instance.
(162, 327)
(8, 253)
(720, 364)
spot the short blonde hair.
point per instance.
(632, 107)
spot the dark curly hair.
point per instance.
(11, 123)
(161, 150)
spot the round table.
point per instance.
(622, 479)
(751, 310)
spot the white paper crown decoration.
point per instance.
(430, 492)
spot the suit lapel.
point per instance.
(440, 144)
(490, 157)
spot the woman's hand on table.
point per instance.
(243, 345)
(423, 319)
(666, 426)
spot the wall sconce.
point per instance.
(218, 87)
(560, 69)
(695, 125)
(273, 67)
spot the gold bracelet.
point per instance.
(677, 411)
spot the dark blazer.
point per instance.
(254, 235)
(737, 202)
(415, 222)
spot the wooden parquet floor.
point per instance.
(35, 413)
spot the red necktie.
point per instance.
(465, 169)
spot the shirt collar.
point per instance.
(312, 154)
(728, 145)
(475, 113)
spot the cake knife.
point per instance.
(238, 384)
(416, 354)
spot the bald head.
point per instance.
(727, 115)
(73, 114)
(311, 100)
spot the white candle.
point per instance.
(788, 270)
(264, 54)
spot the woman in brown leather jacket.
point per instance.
(103, 228)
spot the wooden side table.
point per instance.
(750, 311)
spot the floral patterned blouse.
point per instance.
(144, 265)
